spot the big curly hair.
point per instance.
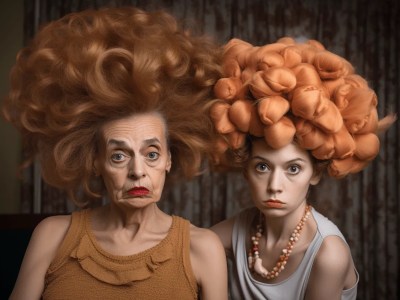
(94, 66)
(288, 91)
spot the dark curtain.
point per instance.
(364, 206)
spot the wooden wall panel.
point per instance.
(364, 206)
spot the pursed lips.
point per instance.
(138, 191)
(273, 203)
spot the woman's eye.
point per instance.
(293, 170)
(153, 155)
(262, 167)
(118, 157)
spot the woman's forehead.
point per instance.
(286, 153)
(141, 126)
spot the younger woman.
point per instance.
(288, 112)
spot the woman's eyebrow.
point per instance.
(296, 160)
(259, 157)
(118, 143)
(123, 144)
(152, 141)
(287, 162)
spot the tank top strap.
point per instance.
(183, 249)
(75, 232)
(180, 235)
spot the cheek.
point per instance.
(300, 188)
(114, 178)
(257, 185)
(157, 177)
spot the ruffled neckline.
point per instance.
(120, 270)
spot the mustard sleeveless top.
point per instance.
(82, 270)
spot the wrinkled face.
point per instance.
(133, 159)
(279, 178)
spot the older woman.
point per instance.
(105, 100)
(289, 111)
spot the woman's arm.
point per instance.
(332, 271)
(209, 264)
(224, 231)
(45, 240)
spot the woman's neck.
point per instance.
(129, 231)
(149, 217)
(277, 229)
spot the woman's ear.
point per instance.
(169, 162)
(316, 177)
(319, 169)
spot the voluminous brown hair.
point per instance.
(95, 66)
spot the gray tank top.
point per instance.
(243, 286)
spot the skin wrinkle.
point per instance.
(134, 138)
(91, 75)
(105, 111)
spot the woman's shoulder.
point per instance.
(334, 254)
(325, 226)
(225, 228)
(202, 236)
(49, 236)
(333, 268)
(208, 262)
(45, 240)
(204, 242)
(52, 229)
(56, 220)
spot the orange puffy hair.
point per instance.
(91, 67)
(288, 91)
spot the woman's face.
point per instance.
(279, 178)
(133, 159)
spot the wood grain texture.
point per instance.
(364, 206)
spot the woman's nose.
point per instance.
(275, 182)
(136, 168)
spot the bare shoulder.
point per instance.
(203, 239)
(333, 256)
(205, 246)
(53, 229)
(48, 235)
(224, 231)
(208, 262)
(42, 248)
(333, 270)
(56, 223)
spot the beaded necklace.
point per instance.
(254, 260)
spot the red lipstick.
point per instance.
(138, 191)
(273, 203)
